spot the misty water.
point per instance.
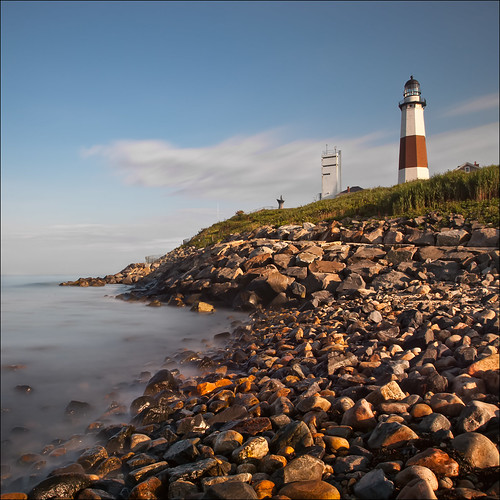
(81, 344)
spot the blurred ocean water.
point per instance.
(82, 344)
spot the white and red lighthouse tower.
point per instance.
(412, 148)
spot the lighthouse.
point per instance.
(412, 149)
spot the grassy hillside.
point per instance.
(474, 195)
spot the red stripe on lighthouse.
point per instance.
(412, 152)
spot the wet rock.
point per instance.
(120, 441)
(181, 489)
(161, 381)
(92, 456)
(108, 466)
(182, 452)
(77, 409)
(140, 474)
(60, 486)
(139, 442)
(151, 488)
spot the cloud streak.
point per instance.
(240, 168)
(486, 102)
(257, 169)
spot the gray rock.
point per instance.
(161, 381)
(180, 489)
(255, 447)
(338, 360)
(443, 270)
(485, 237)
(192, 471)
(230, 490)
(417, 471)
(351, 463)
(452, 237)
(303, 468)
(351, 284)
(392, 279)
(374, 485)
(434, 422)
(182, 452)
(477, 450)
(296, 434)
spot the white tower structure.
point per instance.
(412, 148)
(330, 173)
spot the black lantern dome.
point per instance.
(412, 87)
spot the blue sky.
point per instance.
(129, 126)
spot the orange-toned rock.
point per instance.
(147, 490)
(437, 461)
(360, 416)
(205, 388)
(447, 404)
(264, 489)
(391, 435)
(223, 382)
(389, 391)
(483, 365)
(335, 443)
(420, 410)
(14, 496)
(310, 490)
(286, 451)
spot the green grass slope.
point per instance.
(474, 195)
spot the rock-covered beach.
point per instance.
(368, 369)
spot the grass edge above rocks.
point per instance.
(474, 195)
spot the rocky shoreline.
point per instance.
(369, 369)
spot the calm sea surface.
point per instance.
(82, 344)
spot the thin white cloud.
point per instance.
(255, 170)
(240, 168)
(448, 150)
(489, 101)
